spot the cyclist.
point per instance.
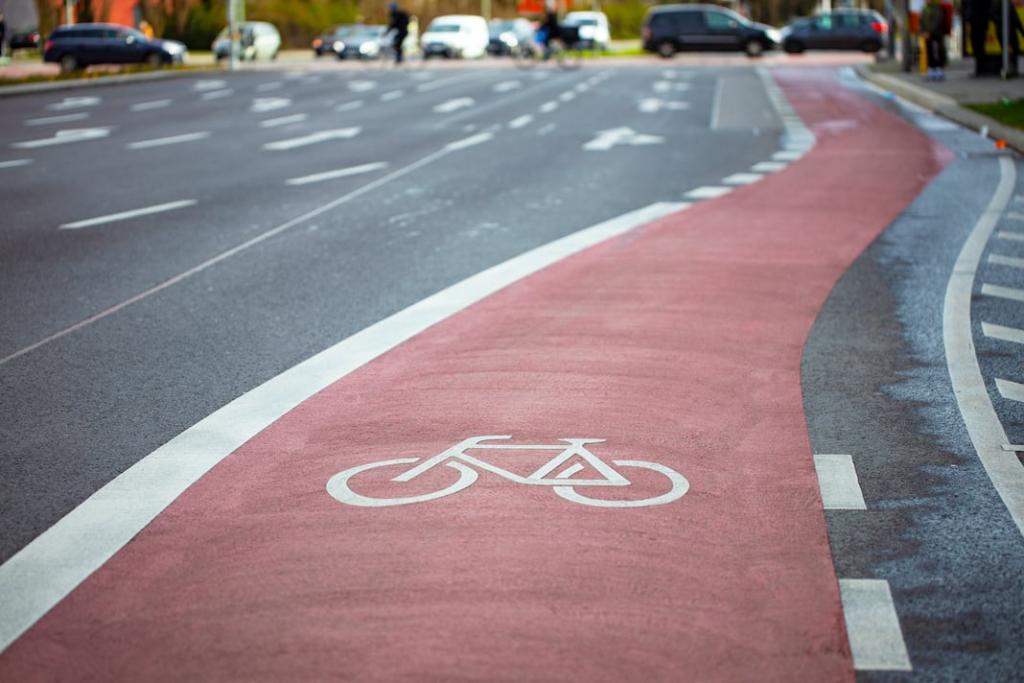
(399, 24)
(550, 30)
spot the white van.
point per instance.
(592, 27)
(256, 40)
(456, 35)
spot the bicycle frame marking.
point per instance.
(562, 484)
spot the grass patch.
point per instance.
(90, 75)
(1008, 112)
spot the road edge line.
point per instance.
(49, 568)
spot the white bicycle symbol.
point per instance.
(456, 456)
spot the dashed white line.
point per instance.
(546, 129)
(872, 625)
(349, 106)
(217, 94)
(1011, 390)
(471, 141)
(283, 120)
(264, 105)
(361, 86)
(454, 105)
(520, 121)
(339, 173)
(1003, 333)
(312, 139)
(63, 137)
(506, 86)
(837, 479)
(789, 155)
(15, 163)
(74, 103)
(267, 87)
(171, 140)
(1010, 236)
(708, 192)
(152, 104)
(125, 215)
(64, 118)
(1011, 293)
(547, 107)
(205, 85)
(1001, 260)
(716, 104)
(567, 96)
(742, 178)
(768, 166)
(393, 95)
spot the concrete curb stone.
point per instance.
(73, 84)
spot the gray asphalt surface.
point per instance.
(877, 386)
(79, 410)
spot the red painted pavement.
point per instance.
(679, 343)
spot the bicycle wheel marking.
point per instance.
(562, 483)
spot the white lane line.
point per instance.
(393, 95)
(567, 96)
(206, 85)
(1011, 293)
(442, 82)
(267, 87)
(791, 155)
(283, 120)
(312, 139)
(742, 178)
(1001, 260)
(506, 86)
(349, 106)
(547, 107)
(172, 140)
(264, 105)
(64, 118)
(1003, 333)
(454, 105)
(837, 479)
(1010, 235)
(74, 103)
(339, 173)
(471, 141)
(45, 571)
(520, 121)
(15, 163)
(546, 129)
(768, 166)
(582, 88)
(217, 94)
(1011, 390)
(152, 104)
(1014, 216)
(125, 215)
(63, 137)
(708, 192)
(983, 425)
(361, 86)
(716, 104)
(872, 625)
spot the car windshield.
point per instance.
(581, 21)
(444, 28)
(501, 27)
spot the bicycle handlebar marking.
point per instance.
(468, 468)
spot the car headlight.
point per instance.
(338, 46)
(508, 38)
(774, 35)
(174, 48)
(586, 32)
(366, 48)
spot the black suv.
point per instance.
(840, 30)
(669, 29)
(79, 45)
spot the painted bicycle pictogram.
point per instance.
(468, 468)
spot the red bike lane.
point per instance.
(678, 343)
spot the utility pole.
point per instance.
(232, 35)
(69, 11)
(485, 9)
(1006, 38)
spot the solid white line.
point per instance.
(173, 140)
(14, 163)
(1009, 334)
(708, 192)
(837, 479)
(983, 425)
(46, 570)
(125, 215)
(548, 107)
(872, 625)
(340, 173)
(768, 166)
(65, 118)
(1011, 390)
(742, 178)
(154, 104)
(1010, 235)
(1011, 293)
(520, 121)
(349, 106)
(1000, 260)
(283, 120)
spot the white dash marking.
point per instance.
(393, 95)
(506, 86)
(349, 106)
(470, 141)
(567, 96)
(837, 478)
(74, 103)
(1011, 236)
(548, 107)
(546, 129)
(15, 163)
(768, 166)
(872, 626)
(64, 118)
(263, 105)
(63, 137)
(207, 85)
(520, 121)
(708, 192)
(454, 105)
(1003, 333)
(152, 104)
(218, 94)
(1001, 260)
(267, 87)
(789, 155)
(283, 120)
(172, 140)
(1011, 293)
(361, 86)
(742, 178)
(312, 139)
(1011, 390)
(339, 173)
(125, 215)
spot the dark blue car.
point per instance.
(81, 45)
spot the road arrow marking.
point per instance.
(454, 105)
(607, 139)
(312, 139)
(261, 105)
(63, 137)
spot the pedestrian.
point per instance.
(550, 29)
(399, 25)
(933, 27)
(978, 16)
(3, 36)
(147, 29)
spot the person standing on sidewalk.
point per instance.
(3, 37)
(399, 24)
(933, 26)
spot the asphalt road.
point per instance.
(169, 246)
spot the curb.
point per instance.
(946, 107)
(72, 84)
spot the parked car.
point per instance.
(592, 29)
(80, 45)
(255, 40)
(848, 29)
(510, 36)
(25, 40)
(368, 42)
(332, 41)
(669, 29)
(456, 36)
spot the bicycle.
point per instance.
(566, 51)
(467, 468)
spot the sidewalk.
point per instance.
(947, 98)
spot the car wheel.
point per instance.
(154, 60)
(754, 48)
(69, 63)
(666, 49)
(793, 47)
